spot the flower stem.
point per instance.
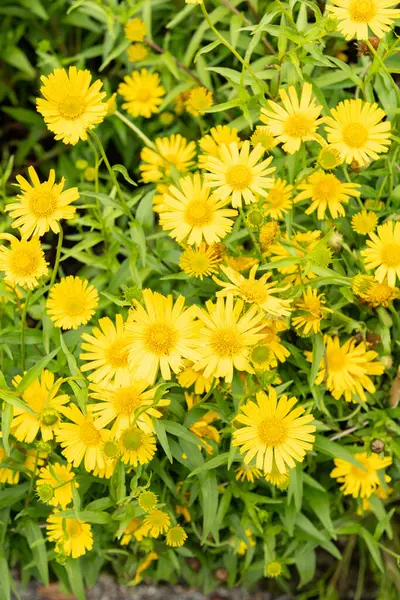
(251, 234)
(138, 131)
(58, 256)
(23, 323)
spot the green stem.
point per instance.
(383, 66)
(23, 323)
(251, 234)
(136, 129)
(96, 187)
(231, 48)
(58, 256)
(114, 179)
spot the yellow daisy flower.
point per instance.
(10, 476)
(45, 408)
(107, 352)
(280, 480)
(358, 482)
(199, 100)
(254, 291)
(132, 530)
(145, 564)
(383, 253)
(189, 376)
(147, 500)
(241, 263)
(361, 284)
(262, 135)
(24, 262)
(200, 262)
(310, 310)
(301, 244)
(40, 206)
(203, 429)
(226, 337)
(294, 122)
(194, 1)
(142, 93)
(161, 334)
(137, 52)
(268, 234)
(262, 358)
(174, 151)
(156, 523)
(71, 106)
(244, 546)
(355, 128)
(248, 473)
(221, 134)
(237, 173)
(271, 341)
(81, 440)
(135, 30)
(61, 479)
(364, 222)
(176, 536)
(273, 432)
(346, 369)
(111, 109)
(72, 302)
(279, 199)
(326, 192)
(273, 569)
(124, 405)
(137, 447)
(356, 17)
(193, 214)
(381, 294)
(329, 158)
(72, 536)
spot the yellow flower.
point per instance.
(147, 500)
(44, 406)
(221, 134)
(145, 564)
(279, 199)
(248, 472)
(271, 341)
(199, 100)
(361, 284)
(40, 206)
(183, 510)
(329, 158)
(237, 173)
(189, 376)
(133, 529)
(273, 569)
(280, 480)
(161, 335)
(82, 439)
(356, 129)
(273, 433)
(7, 475)
(262, 135)
(72, 536)
(380, 294)
(326, 192)
(72, 106)
(176, 536)
(346, 368)
(203, 429)
(254, 291)
(200, 262)
(310, 310)
(24, 262)
(226, 337)
(383, 253)
(72, 302)
(301, 244)
(137, 447)
(135, 30)
(192, 214)
(358, 482)
(111, 106)
(137, 52)
(156, 523)
(174, 151)
(262, 358)
(107, 352)
(295, 122)
(356, 17)
(142, 93)
(194, 1)
(244, 545)
(191, 400)
(123, 405)
(268, 234)
(364, 222)
(60, 478)
(241, 263)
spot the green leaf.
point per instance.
(213, 463)
(5, 578)
(296, 486)
(35, 371)
(7, 413)
(121, 169)
(317, 355)
(14, 400)
(37, 544)
(322, 444)
(12, 495)
(181, 432)
(16, 58)
(373, 548)
(74, 571)
(209, 495)
(319, 502)
(162, 438)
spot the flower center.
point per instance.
(126, 400)
(261, 354)
(132, 439)
(327, 188)
(276, 198)
(73, 528)
(337, 360)
(200, 263)
(71, 107)
(49, 417)
(390, 255)
(160, 339)
(43, 203)
(143, 95)
(355, 135)
(74, 307)
(362, 11)
(226, 342)
(117, 355)
(110, 449)
(239, 177)
(198, 213)
(298, 126)
(23, 262)
(253, 291)
(272, 432)
(90, 436)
